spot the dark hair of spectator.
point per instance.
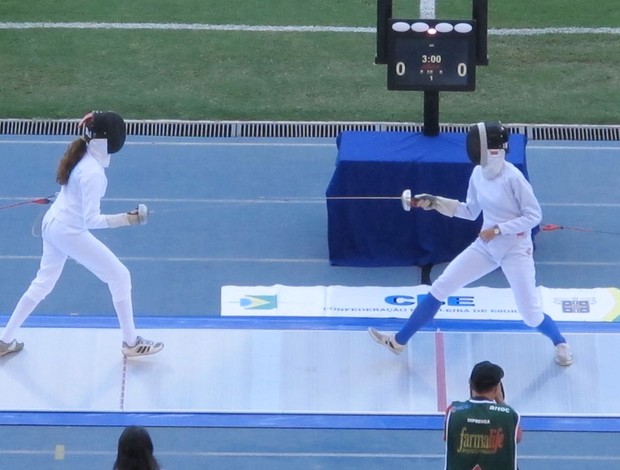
(135, 450)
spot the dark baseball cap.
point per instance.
(486, 375)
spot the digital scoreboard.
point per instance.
(431, 55)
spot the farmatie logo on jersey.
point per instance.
(259, 302)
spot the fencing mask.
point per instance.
(487, 145)
(110, 126)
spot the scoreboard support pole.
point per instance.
(431, 113)
(384, 13)
(481, 15)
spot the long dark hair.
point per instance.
(135, 450)
(72, 156)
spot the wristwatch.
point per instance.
(496, 231)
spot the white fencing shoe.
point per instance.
(387, 340)
(563, 355)
(143, 347)
(12, 347)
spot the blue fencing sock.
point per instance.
(549, 328)
(421, 315)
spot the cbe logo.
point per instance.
(452, 301)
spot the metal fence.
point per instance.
(172, 128)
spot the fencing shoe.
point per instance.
(143, 347)
(563, 355)
(387, 340)
(12, 347)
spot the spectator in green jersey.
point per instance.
(482, 432)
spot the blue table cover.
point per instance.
(367, 232)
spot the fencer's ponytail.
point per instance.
(72, 156)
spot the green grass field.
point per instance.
(298, 76)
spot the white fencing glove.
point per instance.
(424, 201)
(140, 215)
(443, 205)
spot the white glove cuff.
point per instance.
(117, 220)
(446, 206)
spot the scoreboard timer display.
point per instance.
(431, 55)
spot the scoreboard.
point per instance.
(431, 55)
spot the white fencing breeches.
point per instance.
(60, 242)
(513, 253)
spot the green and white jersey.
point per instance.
(481, 435)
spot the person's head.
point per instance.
(487, 146)
(105, 134)
(135, 450)
(106, 125)
(485, 379)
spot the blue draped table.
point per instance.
(378, 232)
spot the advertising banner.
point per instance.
(480, 303)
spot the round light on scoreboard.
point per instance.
(419, 27)
(463, 27)
(400, 26)
(444, 27)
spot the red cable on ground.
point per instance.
(40, 200)
(554, 227)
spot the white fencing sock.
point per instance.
(124, 312)
(23, 309)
